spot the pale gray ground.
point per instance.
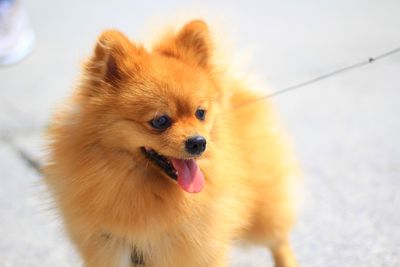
(346, 129)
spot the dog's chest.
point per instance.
(136, 258)
(130, 257)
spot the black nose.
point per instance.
(196, 145)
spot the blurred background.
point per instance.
(345, 129)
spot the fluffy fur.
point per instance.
(119, 207)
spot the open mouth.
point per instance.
(161, 161)
(185, 171)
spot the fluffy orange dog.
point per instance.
(156, 162)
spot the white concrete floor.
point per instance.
(346, 129)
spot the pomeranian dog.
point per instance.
(160, 159)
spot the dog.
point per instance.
(162, 159)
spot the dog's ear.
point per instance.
(192, 42)
(112, 59)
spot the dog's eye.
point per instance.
(201, 114)
(161, 123)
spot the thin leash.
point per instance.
(370, 60)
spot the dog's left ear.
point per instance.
(191, 43)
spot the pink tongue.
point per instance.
(190, 177)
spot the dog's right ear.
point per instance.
(112, 59)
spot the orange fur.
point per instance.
(114, 200)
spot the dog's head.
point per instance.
(160, 104)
